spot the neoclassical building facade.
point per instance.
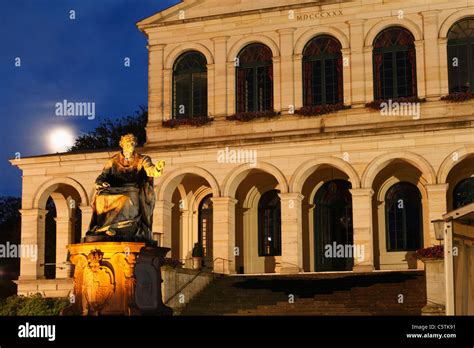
(266, 113)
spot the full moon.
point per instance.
(60, 139)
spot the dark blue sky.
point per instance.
(79, 60)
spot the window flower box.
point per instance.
(250, 116)
(377, 104)
(319, 110)
(458, 97)
(192, 121)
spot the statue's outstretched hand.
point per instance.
(160, 165)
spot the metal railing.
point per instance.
(202, 270)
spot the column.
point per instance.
(277, 105)
(437, 207)
(363, 232)
(286, 88)
(346, 76)
(420, 68)
(210, 89)
(291, 233)
(368, 77)
(430, 35)
(298, 80)
(443, 66)
(155, 83)
(230, 91)
(187, 241)
(167, 94)
(63, 239)
(224, 234)
(355, 78)
(33, 237)
(220, 76)
(162, 221)
(86, 216)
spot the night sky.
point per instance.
(78, 60)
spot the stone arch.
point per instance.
(306, 169)
(182, 48)
(309, 34)
(167, 184)
(452, 19)
(237, 175)
(392, 22)
(199, 195)
(412, 158)
(449, 162)
(241, 43)
(47, 188)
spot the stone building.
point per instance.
(278, 155)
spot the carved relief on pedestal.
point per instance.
(98, 284)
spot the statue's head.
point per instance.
(128, 143)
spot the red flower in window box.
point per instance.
(249, 116)
(458, 97)
(434, 252)
(376, 104)
(193, 121)
(320, 109)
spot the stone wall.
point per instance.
(175, 278)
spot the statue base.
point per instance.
(110, 276)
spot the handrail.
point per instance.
(195, 276)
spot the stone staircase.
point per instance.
(376, 293)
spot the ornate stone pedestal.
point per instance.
(104, 278)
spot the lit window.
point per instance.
(190, 86)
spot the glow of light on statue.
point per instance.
(60, 139)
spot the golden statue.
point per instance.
(124, 199)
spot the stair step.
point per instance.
(315, 294)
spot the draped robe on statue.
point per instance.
(125, 209)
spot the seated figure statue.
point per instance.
(124, 199)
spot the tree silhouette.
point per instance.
(108, 133)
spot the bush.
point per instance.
(32, 305)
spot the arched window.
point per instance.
(394, 62)
(269, 224)
(205, 225)
(322, 72)
(190, 86)
(463, 193)
(255, 79)
(403, 217)
(461, 56)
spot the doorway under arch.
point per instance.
(333, 228)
